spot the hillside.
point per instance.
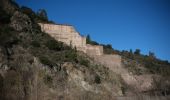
(35, 66)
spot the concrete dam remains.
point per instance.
(68, 35)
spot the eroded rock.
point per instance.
(21, 22)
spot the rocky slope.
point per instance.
(34, 66)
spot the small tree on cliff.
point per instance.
(42, 14)
(131, 52)
(137, 52)
(152, 54)
(88, 39)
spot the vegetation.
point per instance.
(97, 79)
(153, 64)
(30, 53)
(5, 18)
(42, 14)
(54, 45)
(46, 61)
(137, 52)
(89, 41)
(83, 61)
(107, 49)
(136, 59)
(39, 16)
(48, 80)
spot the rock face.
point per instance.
(68, 35)
(21, 22)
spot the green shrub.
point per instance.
(89, 41)
(28, 11)
(42, 14)
(137, 52)
(45, 61)
(107, 49)
(83, 61)
(48, 80)
(123, 88)
(97, 79)
(54, 45)
(71, 55)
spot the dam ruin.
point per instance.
(68, 35)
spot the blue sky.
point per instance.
(126, 24)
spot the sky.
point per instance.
(125, 24)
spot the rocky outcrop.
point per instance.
(21, 22)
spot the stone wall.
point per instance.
(68, 35)
(58, 28)
(94, 49)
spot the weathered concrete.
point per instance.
(91, 49)
(68, 35)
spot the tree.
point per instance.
(42, 14)
(151, 54)
(109, 46)
(131, 52)
(28, 11)
(137, 52)
(88, 39)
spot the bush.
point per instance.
(28, 11)
(54, 45)
(97, 79)
(137, 52)
(48, 80)
(107, 49)
(46, 61)
(42, 16)
(83, 61)
(71, 55)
